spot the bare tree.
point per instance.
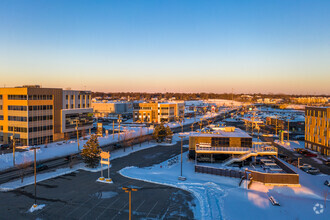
(66, 137)
(24, 167)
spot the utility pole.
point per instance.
(77, 134)
(129, 191)
(119, 120)
(181, 177)
(276, 126)
(35, 176)
(14, 146)
(288, 129)
(113, 129)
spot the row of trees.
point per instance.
(91, 150)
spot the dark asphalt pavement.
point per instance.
(79, 196)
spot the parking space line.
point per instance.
(78, 207)
(90, 209)
(107, 208)
(152, 209)
(120, 211)
(140, 205)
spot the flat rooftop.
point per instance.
(221, 133)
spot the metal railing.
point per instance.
(237, 149)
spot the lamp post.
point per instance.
(77, 129)
(288, 129)
(181, 177)
(119, 120)
(14, 146)
(35, 175)
(129, 191)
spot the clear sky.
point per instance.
(263, 46)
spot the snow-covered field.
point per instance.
(61, 149)
(221, 197)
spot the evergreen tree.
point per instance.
(161, 132)
(169, 132)
(91, 152)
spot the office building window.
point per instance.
(1, 117)
(16, 118)
(17, 97)
(17, 108)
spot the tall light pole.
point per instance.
(14, 146)
(77, 129)
(113, 129)
(181, 177)
(129, 191)
(35, 175)
(288, 129)
(119, 120)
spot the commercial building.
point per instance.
(317, 130)
(106, 108)
(154, 112)
(34, 115)
(220, 143)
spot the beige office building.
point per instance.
(317, 129)
(35, 115)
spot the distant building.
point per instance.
(154, 112)
(317, 130)
(35, 115)
(106, 108)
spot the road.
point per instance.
(79, 196)
(292, 155)
(14, 173)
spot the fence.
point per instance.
(219, 171)
(274, 178)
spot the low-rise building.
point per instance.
(154, 112)
(317, 129)
(106, 108)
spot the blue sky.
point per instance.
(167, 45)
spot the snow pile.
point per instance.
(220, 197)
(39, 207)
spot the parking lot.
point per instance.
(79, 196)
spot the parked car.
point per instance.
(327, 162)
(313, 170)
(41, 167)
(310, 155)
(327, 183)
(4, 146)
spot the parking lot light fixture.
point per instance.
(181, 177)
(129, 191)
(35, 175)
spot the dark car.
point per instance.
(4, 146)
(41, 167)
(327, 183)
(117, 146)
(310, 155)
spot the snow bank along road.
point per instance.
(14, 173)
(79, 196)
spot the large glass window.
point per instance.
(220, 142)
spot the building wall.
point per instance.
(317, 129)
(157, 112)
(35, 114)
(103, 109)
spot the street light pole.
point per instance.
(14, 146)
(35, 176)
(181, 177)
(288, 129)
(129, 191)
(77, 134)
